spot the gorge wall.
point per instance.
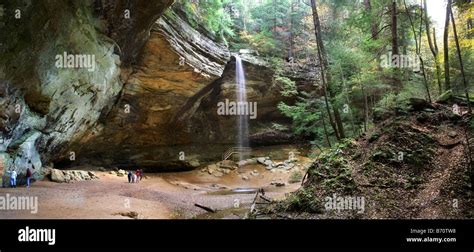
(151, 99)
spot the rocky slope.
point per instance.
(414, 165)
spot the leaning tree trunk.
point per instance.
(339, 129)
(418, 49)
(433, 47)
(458, 49)
(447, 83)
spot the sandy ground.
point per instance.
(158, 196)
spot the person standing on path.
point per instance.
(129, 175)
(141, 174)
(137, 172)
(13, 178)
(28, 177)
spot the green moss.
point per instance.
(303, 200)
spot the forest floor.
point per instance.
(410, 166)
(157, 196)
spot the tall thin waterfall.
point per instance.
(243, 123)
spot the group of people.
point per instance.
(13, 177)
(135, 177)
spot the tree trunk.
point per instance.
(458, 49)
(366, 108)
(325, 130)
(447, 83)
(394, 29)
(373, 25)
(437, 64)
(418, 49)
(326, 76)
(291, 50)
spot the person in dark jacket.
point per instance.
(141, 174)
(28, 177)
(129, 176)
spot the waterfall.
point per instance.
(243, 124)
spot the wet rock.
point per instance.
(254, 173)
(245, 177)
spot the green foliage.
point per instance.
(211, 14)
(303, 200)
(337, 171)
(304, 118)
(262, 41)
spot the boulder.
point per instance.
(57, 176)
(268, 163)
(228, 164)
(418, 104)
(261, 160)
(445, 97)
(121, 173)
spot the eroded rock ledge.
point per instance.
(154, 107)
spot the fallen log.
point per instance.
(265, 198)
(205, 208)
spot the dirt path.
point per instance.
(447, 162)
(158, 196)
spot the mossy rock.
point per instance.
(445, 97)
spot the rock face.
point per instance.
(71, 176)
(177, 64)
(129, 23)
(45, 107)
(152, 106)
